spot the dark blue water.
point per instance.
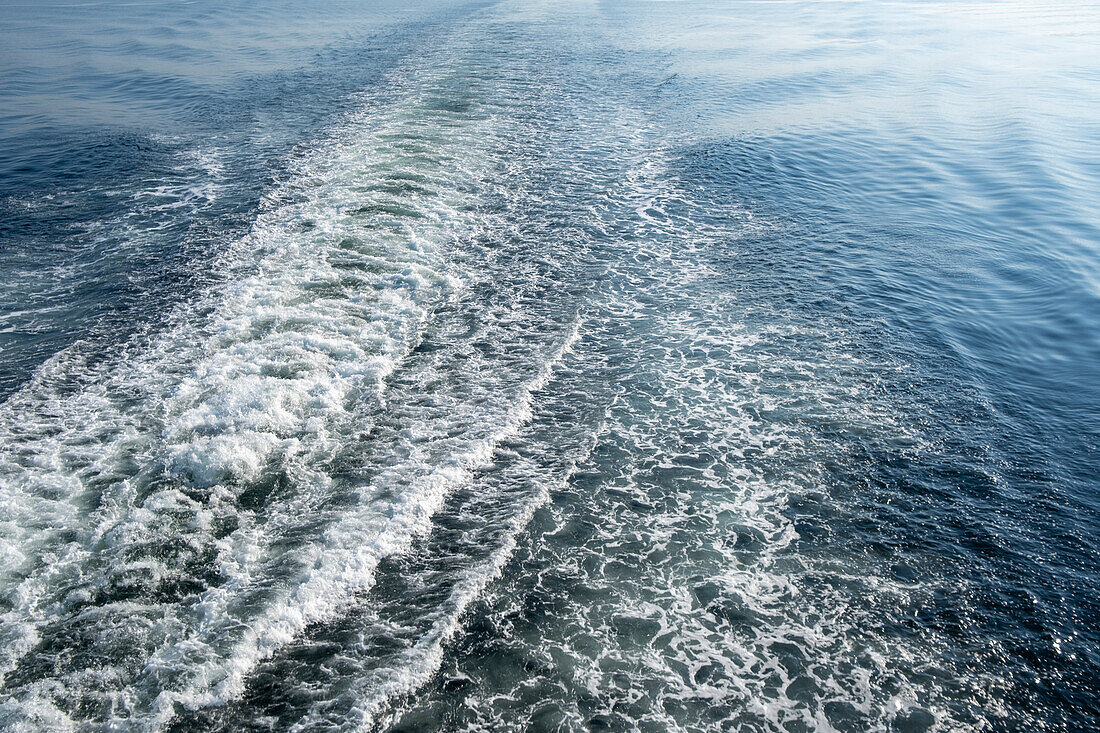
(628, 366)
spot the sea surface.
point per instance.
(549, 366)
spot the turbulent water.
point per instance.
(550, 366)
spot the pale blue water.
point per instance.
(550, 366)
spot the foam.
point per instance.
(269, 369)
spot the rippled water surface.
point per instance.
(550, 366)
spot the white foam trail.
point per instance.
(272, 368)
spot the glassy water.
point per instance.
(550, 366)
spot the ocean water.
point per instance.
(517, 365)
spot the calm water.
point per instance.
(550, 366)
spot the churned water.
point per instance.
(550, 366)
